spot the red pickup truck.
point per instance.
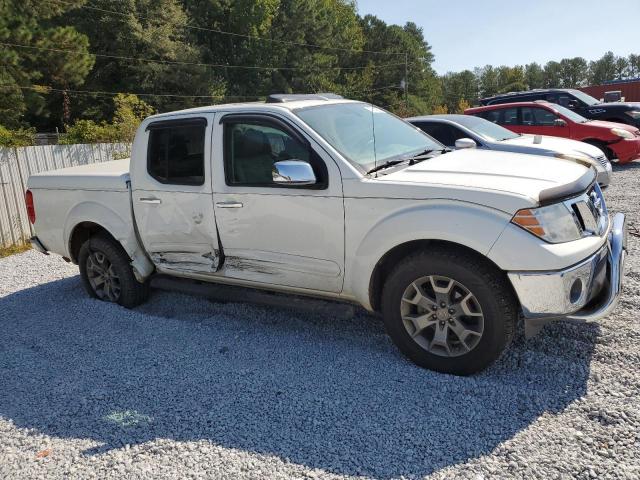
(616, 140)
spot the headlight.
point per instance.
(621, 133)
(635, 114)
(553, 223)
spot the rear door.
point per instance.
(271, 233)
(172, 196)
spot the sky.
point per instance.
(465, 34)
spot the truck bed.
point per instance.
(107, 176)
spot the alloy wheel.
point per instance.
(442, 316)
(102, 277)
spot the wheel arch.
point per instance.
(81, 233)
(385, 265)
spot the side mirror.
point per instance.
(572, 104)
(293, 172)
(462, 143)
(558, 122)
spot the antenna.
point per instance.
(373, 130)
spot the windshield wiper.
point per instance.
(419, 157)
(387, 164)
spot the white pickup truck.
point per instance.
(321, 196)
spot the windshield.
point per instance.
(350, 127)
(588, 99)
(570, 114)
(485, 129)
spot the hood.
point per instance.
(537, 178)
(610, 125)
(618, 105)
(553, 145)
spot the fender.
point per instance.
(431, 220)
(119, 228)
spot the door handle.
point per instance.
(229, 205)
(150, 200)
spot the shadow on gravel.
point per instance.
(326, 394)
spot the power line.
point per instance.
(46, 89)
(222, 32)
(172, 62)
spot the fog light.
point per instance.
(576, 291)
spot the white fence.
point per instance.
(16, 164)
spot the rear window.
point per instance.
(176, 152)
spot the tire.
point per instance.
(608, 153)
(493, 310)
(101, 253)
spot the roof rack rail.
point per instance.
(292, 97)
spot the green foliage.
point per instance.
(16, 138)
(31, 22)
(129, 112)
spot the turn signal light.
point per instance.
(527, 220)
(31, 209)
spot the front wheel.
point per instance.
(449, 310)
(107, 274)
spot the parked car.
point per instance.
(577, 101)
(327, 197)
(468, 131)
(617, 141)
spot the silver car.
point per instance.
(467, 131)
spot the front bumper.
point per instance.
(626, 150)
(587, 291)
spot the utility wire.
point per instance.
(46, 89)
(172, 62)
(222, 32)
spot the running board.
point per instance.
(228, 293)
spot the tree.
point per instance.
(487, 81)
(603, 69)
(573, 72)
(511, 79)
(552, 75)
(29, 23)
(534, 75)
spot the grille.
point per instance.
(602, 160)
(591, 210)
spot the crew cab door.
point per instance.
(172, 197)
(272, 233)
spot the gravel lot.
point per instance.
(184, 387)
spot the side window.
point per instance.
(445, 134)
(175, 153)
(492, 116)
(509, 116)
(251, 149)
(564, 99)
(551, 98)
(538, 117)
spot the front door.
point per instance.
(172, 195)
(540, 121)
(272, 233)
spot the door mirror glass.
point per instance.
(293, 172)
(462, 143)
(558, 122)
(573, 104)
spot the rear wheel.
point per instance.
(449, 311)
(107, 274)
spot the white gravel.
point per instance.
(183, 387)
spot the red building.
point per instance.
(629, 89)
